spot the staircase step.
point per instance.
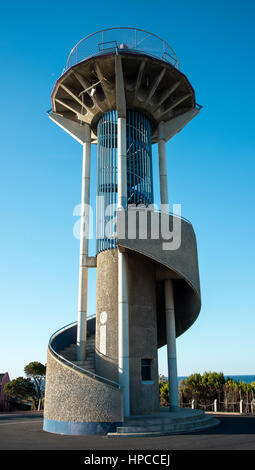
(86, 367)
(72, 357)
(88, 364)
(66, 353)
(161, 418)
(70, 351)
(83, 363)
(73, 347)
(187, 425)
(161, 430)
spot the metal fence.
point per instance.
(217, 406)
(132, 39)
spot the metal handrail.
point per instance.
(173, 215)
(75, 366)
(158, 211)
(167, 54)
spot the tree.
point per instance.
(37, 371)
(163, 391)
(21, 388)
(204, 387)
(193, 387)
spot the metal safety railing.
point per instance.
(240, 406)
(104, 380)
(153, 209)
(172, 214)
(122, 38)
(159, 219)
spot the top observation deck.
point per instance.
(112, 39)
(123, 69)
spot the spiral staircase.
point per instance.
(79, 401)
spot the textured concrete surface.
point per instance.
(73, 396)
(234, 432)
(107, 301)
(144, 397)
(180, 264)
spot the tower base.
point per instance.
(76, 428)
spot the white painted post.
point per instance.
(84, 232)
(193, 404)
(252, 406)
(162, 166)
(171, 345)
(123, 309)
(181, 400)
(123, 331)
(169, 298)
(241, 406)
(215, 405)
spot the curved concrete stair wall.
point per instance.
(180, 264)
(77, 401)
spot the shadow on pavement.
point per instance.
(242, 424)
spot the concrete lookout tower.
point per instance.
(122, 90)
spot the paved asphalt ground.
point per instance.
(23, 431)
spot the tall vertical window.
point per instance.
(139, 159)
(139, 170)
(107, 183)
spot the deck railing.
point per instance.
(133, 40)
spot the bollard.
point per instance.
(215, 405)
(241, 406)
(193, 404)
(253, 406)
(180, 400)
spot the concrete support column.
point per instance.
(123, 308)
(171, 345)
(169, 298)
(84, 233)
(123, 330)
(162, 167)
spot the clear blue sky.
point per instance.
(210, 165)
